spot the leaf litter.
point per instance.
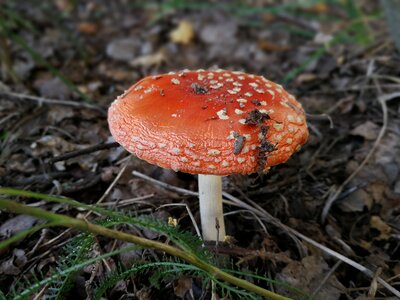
(103, 60)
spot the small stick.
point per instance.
(165, 185)
(126, 202)
(114, 182)
(382, 99)
(41, 100)
(326, 278)
(321, 117)
(88, 150)
(250, 212)
(189, 213)
(269, 218)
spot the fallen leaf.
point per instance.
(357, 201)
(223, 33)
(396, 269)
(16, 224)
(87, 27)
(306, 275)
(19, 162)
(128, 258)
(397, 187)
(182, 286)
(387, 156)
(59, 113)
(54, 145)
(144, 294)
(319, 8)
(7, 267)
(306, 77)
(123, 49)
(65, 5)
(14, 265)
(183, 33)
(382, 227)
(367, 130)
(322, 38)
(20, 258)
(53, 88)
(155, 59)
(270, 46)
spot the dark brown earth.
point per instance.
(62, 64)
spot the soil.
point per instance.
(54, 53)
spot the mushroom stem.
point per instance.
(211, 212)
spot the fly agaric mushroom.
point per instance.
(211, 123)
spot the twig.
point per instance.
(239, 203)
(270, 219)
(190, 215)
(127, 202)
(374, 283)
(388, 97)
(250, 212)
(88, 150)
(353, 88)
(165, 185)
(86, 226)
(321, 117)
(101, 198)
(262, 213)
(325, 279)
(111, 186)
(382, 100)
(346, 260)
(298, 22)
(41, 100)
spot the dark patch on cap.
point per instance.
(265, 147)
(199, 89)
(239, 143)
(256, 117)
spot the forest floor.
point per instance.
(63, 63)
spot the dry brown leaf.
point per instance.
(7, 267)
(183, 33)
(367, 130)
(65, 5)
(54, 145)
(87, 27)
(319, 8)
(149, 60)
(182, 286)
(307, 275)
(124, 49)
(396, 269)
(16, 224)
(271, 46)
(306, 77)
(382, 227)
(357, 201)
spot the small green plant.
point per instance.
(185, 256)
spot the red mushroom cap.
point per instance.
(209, 122)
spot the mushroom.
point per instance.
(210, 123)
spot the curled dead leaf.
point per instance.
(182, 286)
(382, 227)
(183, 33)
(87, 27)
(368, 130)
(155, 59)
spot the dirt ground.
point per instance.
(62, 64)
